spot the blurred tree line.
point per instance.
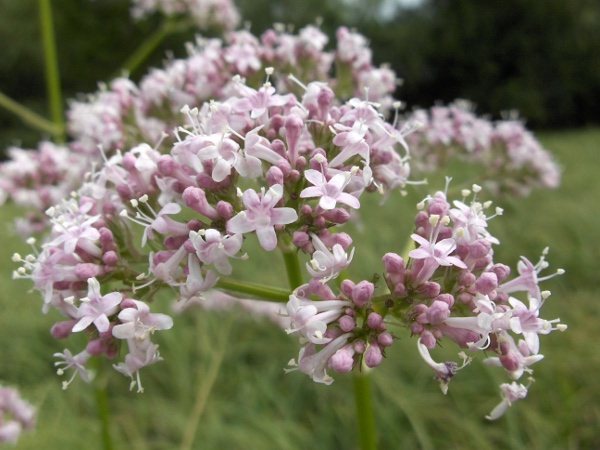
(540, 57)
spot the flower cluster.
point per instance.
(259, 162)
(222, 145)
(450, 287)
(16, 415)
(511, 159)
(122, 114)
(204, 13)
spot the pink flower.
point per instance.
(434, 254)
(325, 264)
(211, 247)
(314, 364)
(262, 216)
(330, 192)
(510, 394)
(95, 308)
(138, 323)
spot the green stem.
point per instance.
(292, 268)
(103, 414)
(54, 92)
(259, 291)
(31, 118)
(364, 412)
(149, 45)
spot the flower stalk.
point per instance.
(54, 92)
(364, 412)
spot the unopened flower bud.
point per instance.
(385, 339)
(486, 283)
(362, 293)
(373, 356)
(96, 347)
(374, 320)
(347, 323)
(341, 361)
(347, 287)
(360, 347)
(62, 330)
(274, 176)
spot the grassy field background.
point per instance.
(222, 380)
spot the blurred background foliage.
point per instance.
(539, 57)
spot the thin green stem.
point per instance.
(103, 413)
(151, 43)
(259, 291)
(364, 412)
(292, 268)
(55, 99)
(31, 118)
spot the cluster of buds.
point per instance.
(510, 159)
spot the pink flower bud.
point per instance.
(278, 147)
(416, 329)
(385, 339)
(341, 361)
(373, 356)
(285, 167)
(301, 163)
(274, 176)
(85, 271)
(510, 362)
(300, 238)
(465, 298)
(96, 347)
(438, 312)
(319, 222)
(428, 339)
(277, 122)
(486, 283)
(347, 323)
(502, 272)
(374, 320)
(110, 258)
(337, 215)
(195, 198)
(362, 293)
(128, 303)
(360, 347)
(225, 209)
(466, 278)
(347, 287)
(480, 248)
(107, 240)
(446, 298)
(62, 330)
(430, 289)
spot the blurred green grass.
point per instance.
(235, 364)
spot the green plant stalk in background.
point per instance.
(55, 102)
(30, 117)
(151, 43)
